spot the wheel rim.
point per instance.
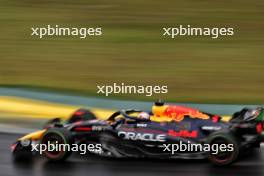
(222, 156)
(53, 138)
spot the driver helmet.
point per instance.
(158, 108)
(159, 102)
(144, 115)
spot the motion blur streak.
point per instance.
(251, 165)
(132, 50)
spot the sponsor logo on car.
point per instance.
(211, 128)
(142, 136)
(178, 112)
(183, 133)
(99, 128)
(142, 125)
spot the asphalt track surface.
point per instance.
(251, 164)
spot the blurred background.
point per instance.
(132, 49)
(35, 74)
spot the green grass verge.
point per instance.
(132, 50)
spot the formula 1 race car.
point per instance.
(155, 134)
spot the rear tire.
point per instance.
(223, 157)
(57, 136)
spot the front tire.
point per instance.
(59, 136)
(22, 153)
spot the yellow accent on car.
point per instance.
(33, 136)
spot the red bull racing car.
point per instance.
(156, 134)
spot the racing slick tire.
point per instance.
(22, 153)
(57, 136)
(230, 154)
